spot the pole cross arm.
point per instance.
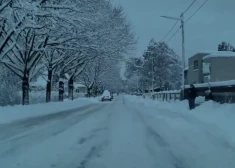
(174, 18)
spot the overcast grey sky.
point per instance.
(213, 23)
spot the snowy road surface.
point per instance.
(117, 134)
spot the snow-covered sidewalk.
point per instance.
(12, 113)
(218, 115)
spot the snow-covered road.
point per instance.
(118, 134)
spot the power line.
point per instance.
(188, 19)
(174, 34)
(197, 10)
(177, 20)
(170, 30)
(189, 6)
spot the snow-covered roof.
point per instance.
(214, 84)
(220, 54)
(203, 52)
(67, 75)
(76, 85)
(186, 68)
(168, 91)
(40, 82)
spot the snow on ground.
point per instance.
(204, 136)
(11, 113)
(57, 144)
(40, 96)
(219, 115)
(129, 132)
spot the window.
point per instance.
(206, 68)
(195, 65)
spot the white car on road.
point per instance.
(106, 96)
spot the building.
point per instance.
(80, 88)
(39, 84)
(219, 66)
(195, 63)
(210, 66)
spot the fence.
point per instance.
(167, 95)
(220, 94)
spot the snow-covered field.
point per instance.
(129, 132)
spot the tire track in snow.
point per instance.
(96, 150)
(40, 135)
(24, 125)
(176, 162)
(210, 130)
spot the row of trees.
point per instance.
(76, 37)
(223, 46)
(159, 66)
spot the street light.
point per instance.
(181, 18)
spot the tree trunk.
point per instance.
(48, 89)
(89, 92)
(61, 91)
(70, 86)
(25, 90)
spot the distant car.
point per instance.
(106, 96)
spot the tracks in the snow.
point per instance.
(151, 133)
(21, 138)
(162, 143)
(96, 149)
(22, 126)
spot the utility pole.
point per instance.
(183, 48)
(183, 54)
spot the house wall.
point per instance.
(222, 68)
(82, 89)
(195, 76)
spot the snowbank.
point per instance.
(217, 115)
(36, 97)
(11, 113)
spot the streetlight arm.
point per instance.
(169, 17)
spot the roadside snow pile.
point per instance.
(40, 96)
(12, 113)
(218, 115)
(221, 115)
